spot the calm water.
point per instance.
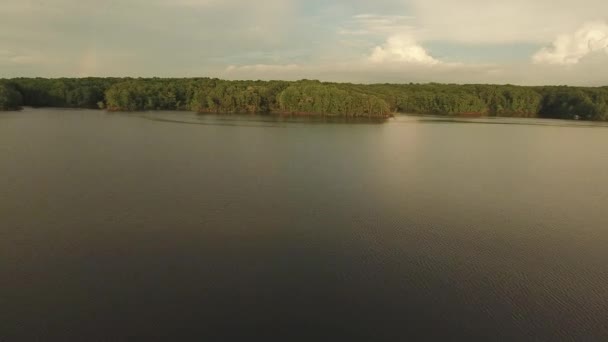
(171, 225)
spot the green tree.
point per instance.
(10, 98)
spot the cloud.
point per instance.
(263, 68)
(195, 3)
(361, 71)
(21, 57)
(461, 41)
(399, 44)
(569, 49)
(589, 72)
(500, 21)
(404, 49)
(375, 23)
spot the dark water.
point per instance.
(169, 226)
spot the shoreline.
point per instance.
(439, 117)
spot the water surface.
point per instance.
(167, 225)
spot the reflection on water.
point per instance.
(499, 121)
(245, 120)
(168, 225)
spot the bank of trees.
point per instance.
(63, 92)
(217, 96)
(206, 95)
(315, 97)
(10, 98)
(568, 103)
(451, 99)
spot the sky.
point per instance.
(527, 42)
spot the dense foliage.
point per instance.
(566, 103)
(206, 95)
(315, 97)
(10, 98)
(63, 92)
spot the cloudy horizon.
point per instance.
(469, 41)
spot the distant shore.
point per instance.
(306, 97)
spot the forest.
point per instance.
(10, 98)
(305, 97)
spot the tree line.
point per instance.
(10, 98)
(210, 95)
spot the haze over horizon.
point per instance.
(470, 41)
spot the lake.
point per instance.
(170, 225)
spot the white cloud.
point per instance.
(262, 68)
(361, 71)
(399, 46)
(25, 59)
(404, 49)
(501, 21)
(341, 40)
(374, 23)
(21, 57)
(571, 48)
(589, 72)
(195, 3)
